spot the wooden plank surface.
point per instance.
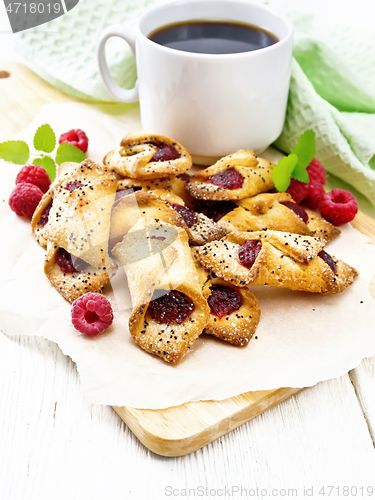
(173, 431)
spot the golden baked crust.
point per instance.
(238, 327)
(267, 211)
(321, 228)
(73, 285)
(256, 172)
(205, 230)
(134, 158)
(179, 187)
(284, 260)
(174, 270)
(169, 196)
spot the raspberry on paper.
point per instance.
(316, 172)
(33, 174)
(77, 138)
(91, 314)
(24, 199)
(338, 206)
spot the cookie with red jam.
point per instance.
(233, 177)
(169, 309)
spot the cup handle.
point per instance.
(115, 90)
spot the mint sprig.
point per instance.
(48, 164)
(68, 152)
(45, 139)
(294, 165)
(44, 142)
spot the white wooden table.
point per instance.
(56, 445)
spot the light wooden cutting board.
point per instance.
(172, 431)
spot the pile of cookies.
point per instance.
(190, 245)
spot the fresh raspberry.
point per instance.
(33, 174)
(316, 172)
(297, 209)
(315, 193)
(338, 206)
(171, 307)
(189, 216)
(165, 152)
(77, 138)
(224, 300)
(299, 191)
(24, 199)
(229, 179)
(91, 314)
(248, 252)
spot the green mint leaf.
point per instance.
(15, 151)
(282, 172)
(68, 152)
(300, 173)
(48, 164)
(45, 139)
(305, 149)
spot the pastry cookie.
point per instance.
(148, 156)
(276, 211)
(128, 210)
(79, 215)
(276, 259)
(169, 310)
(233, 177)
(144, 185)
(235, 312)
(321, 228)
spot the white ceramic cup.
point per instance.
(213, 104)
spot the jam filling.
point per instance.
(165, 152)
(71, 186)
(296, 209)
(66, 263)
(328, 260)
(249, 252)
(229, 179)
(171, 307)
(184, 177)
(219, 209)
(224, 300)
(45, 215)
(189, 216)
